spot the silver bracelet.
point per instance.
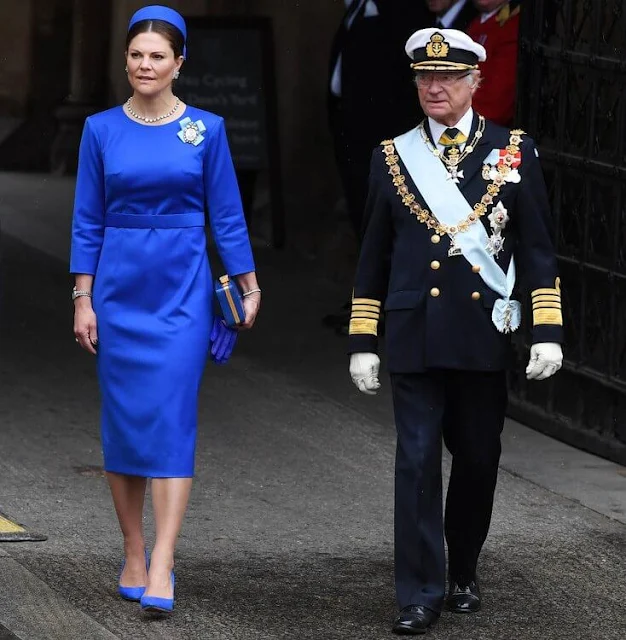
(249, 293)
(77, 293)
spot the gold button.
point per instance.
(435, 239)
(435, 264)
(475, 295)
(476, 268)
(434, 292)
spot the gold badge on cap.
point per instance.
(437, 47)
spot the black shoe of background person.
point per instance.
(414, 620)
(463, 596)
(339, 318)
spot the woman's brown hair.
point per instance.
(167, 30)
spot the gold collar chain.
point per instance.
(454, 159)
(480, 208)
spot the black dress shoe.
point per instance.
(414, 620)
(463, 597)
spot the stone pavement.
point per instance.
(289, 530)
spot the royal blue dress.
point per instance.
(139, 228)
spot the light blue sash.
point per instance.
(449, 206)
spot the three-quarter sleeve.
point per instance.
(227, 221)
(89, 205)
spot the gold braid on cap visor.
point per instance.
(433, 65)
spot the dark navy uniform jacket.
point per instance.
(437, 308)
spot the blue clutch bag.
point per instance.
(230, 301)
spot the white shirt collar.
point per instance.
(451, 14)
(464, 125)
(486, 16)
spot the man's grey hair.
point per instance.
(473, 77)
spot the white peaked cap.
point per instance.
(444, 50)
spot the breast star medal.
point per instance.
(498, 219)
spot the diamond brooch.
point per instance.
(191, 132)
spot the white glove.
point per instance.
(546, 359)
(364, 371)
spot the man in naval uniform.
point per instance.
(457, 209)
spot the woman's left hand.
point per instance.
(251, 305)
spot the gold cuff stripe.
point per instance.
(359, 326)
(374, 303)
(550, 292)
(372, 316)
(548, 316)
(547, 305)
(362, 308)
(546, 298)
(366, 307)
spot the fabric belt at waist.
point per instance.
(147, 221)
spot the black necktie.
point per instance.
(439, 24)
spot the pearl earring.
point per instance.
(176, 74)
(126, 68)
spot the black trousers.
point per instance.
(467, 408)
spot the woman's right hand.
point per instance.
(85, 324)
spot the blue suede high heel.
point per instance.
(151, 604)
(131, 593)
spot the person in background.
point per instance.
(457, 209)
(497, 29)
(370, 96)
(452, 14)
(147, 170)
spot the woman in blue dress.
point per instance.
(147, 171)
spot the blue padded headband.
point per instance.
(157, 12)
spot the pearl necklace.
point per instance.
(144, 119)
